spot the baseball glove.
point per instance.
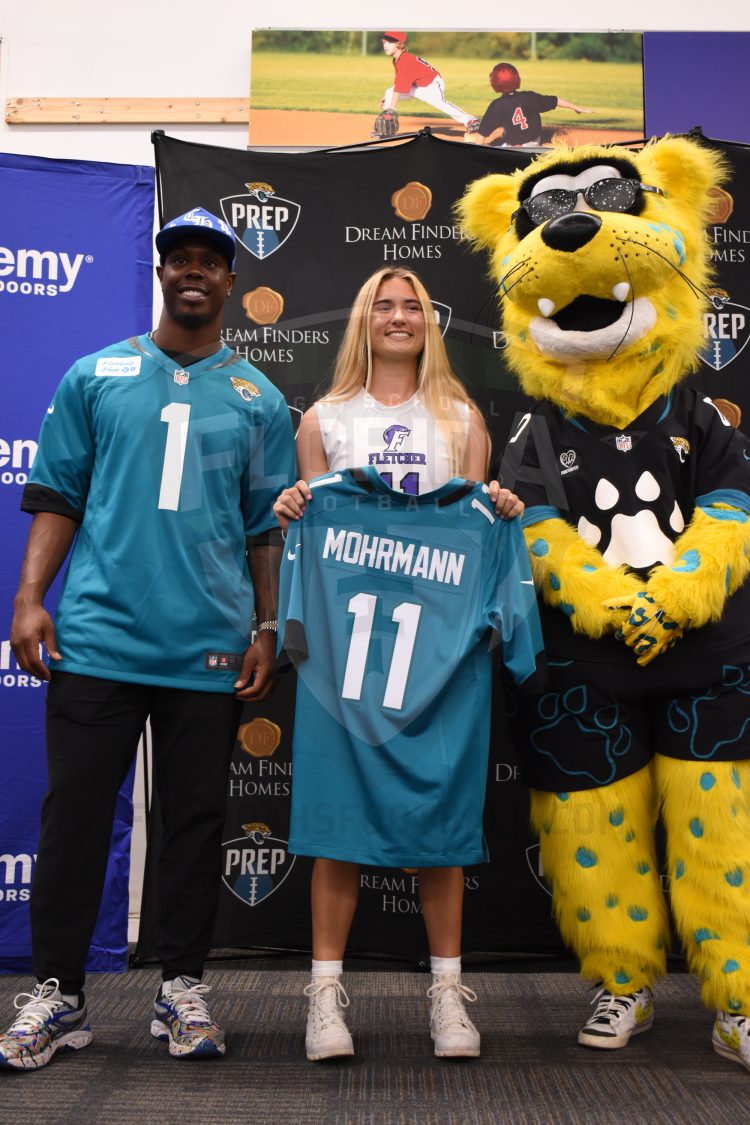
(386, 124)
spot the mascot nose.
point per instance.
(571, 232)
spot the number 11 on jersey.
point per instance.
(406, 615)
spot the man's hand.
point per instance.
(258, 665)
(32, 626)
(507, 504)
(645, 628)
(292, 503)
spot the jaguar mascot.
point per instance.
(637, 492)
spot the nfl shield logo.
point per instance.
(624, 443)
(261, 220)
(181, 378)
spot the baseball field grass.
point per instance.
(355, 84)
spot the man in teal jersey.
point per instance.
(159, 460)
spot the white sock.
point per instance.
(71, 1000)
(327, 968)
(445, 965)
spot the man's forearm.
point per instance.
(264, 562)
(48, 544)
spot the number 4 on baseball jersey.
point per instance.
(389, 607)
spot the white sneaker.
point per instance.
(731, 1038)
(452, 1031)
(327, 1034)
(617, 1018)
(45, 1024)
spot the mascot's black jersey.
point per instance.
(630, 493)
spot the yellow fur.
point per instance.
(643, 250)
(597, 849)
(695, 597)
(705, 811)
(559, 574)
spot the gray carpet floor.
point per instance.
(531, 1069)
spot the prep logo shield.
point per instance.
(261, 220)
(726, 329)
(255, 864)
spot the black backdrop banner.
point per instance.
(311, 227)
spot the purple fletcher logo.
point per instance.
(391, 454)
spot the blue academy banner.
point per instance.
(76, 267)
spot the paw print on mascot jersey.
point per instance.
(628, 526)
(564, 717)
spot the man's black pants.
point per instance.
(93, 728)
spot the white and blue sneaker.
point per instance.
(617, 1018)
(731, 1038)
(45, 1024)
(182, 1018)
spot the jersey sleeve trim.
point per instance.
(539, 513)
(293, 646)
(40, 498)
(731, 496)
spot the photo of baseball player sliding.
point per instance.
(321, 88)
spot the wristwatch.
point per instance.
(268, 627)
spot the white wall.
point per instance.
(155, 49)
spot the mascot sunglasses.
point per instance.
(611, 194)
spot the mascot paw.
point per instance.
(645, 626)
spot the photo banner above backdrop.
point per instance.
(76, 273)
(312, 226)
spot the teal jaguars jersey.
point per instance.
(391, 607)
(168, 470)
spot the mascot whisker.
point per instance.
(637, 520)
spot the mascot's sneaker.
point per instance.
(327, 1035)
(617, 1018)
(182, 1018)
(731, 1038)
(45, 1023)
(452, 1031)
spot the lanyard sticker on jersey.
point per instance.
(181, 378)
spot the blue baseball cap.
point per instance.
(210, 227)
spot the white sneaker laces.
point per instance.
(189, 1002)
(609, 1006)
(36, 1007)
(328, 995)
(448, 995)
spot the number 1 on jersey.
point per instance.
(406, 614)
(177, 417)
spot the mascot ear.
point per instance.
(485, 210)
(684, 169)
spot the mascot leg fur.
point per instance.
(597, 848)
(705, 809)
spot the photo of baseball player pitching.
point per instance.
(514, 119)
(413, 78)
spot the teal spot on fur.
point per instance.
(629, 837)
(679, 246)
(703, 934)
(554, 582)
(671, 312)
(733, 810)
(586, 858)
(735, 878)
(567, 609)
(655, 347)
(732, 514)
(659, 943)
(616, 817)
(679, 869)
(730, 966)
(562, 796)
(546, 829)
(696, 827)
(622, 977)
(707, 781)
(540, 548)
(637, 913)
(689, 562)
(658, 369)
(522, 337)
(642, 868)
(589, 568)
(735, 777)
(734, 1005)
(727, 580)
(582, 914)
(612, 900)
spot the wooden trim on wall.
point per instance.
(127, 111)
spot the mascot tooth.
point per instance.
(637, 520)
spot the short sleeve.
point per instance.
(511, 606)
(723, 460)
(65, 457)
(271, 467)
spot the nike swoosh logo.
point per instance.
(292, 556)
(745, 455)
(51, 410)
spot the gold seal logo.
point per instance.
(412, 201)
(730, 410)
(259, 738)
(720, 204)
(263, 305)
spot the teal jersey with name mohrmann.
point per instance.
(390, 608)
(168, 470)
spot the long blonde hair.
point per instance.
(438, 386)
